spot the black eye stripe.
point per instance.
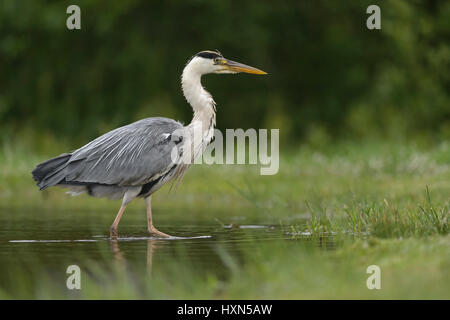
(208, 55)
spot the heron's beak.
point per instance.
(240, 67)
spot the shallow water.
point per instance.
(54, 241)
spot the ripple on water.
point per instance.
(107, 238)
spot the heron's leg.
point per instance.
(113, 229)
(151, 229)
(129, 195)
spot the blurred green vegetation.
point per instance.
(329, 76)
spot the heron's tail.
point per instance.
(50, 172)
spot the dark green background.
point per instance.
(329, 76)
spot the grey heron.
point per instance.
(136, 160)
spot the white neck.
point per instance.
(201, 128)
(200, 100)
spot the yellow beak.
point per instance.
(240, 67)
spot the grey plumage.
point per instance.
(126, 157)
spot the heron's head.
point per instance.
(206, 62)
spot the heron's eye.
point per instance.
(216, 60)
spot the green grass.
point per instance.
(381, 220)
(383, 204)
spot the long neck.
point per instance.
(201, 101)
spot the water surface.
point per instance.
(52, 242)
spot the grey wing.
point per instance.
(131, 155)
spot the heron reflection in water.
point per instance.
(121, 261)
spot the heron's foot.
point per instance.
(113, 233)
(156, 233)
